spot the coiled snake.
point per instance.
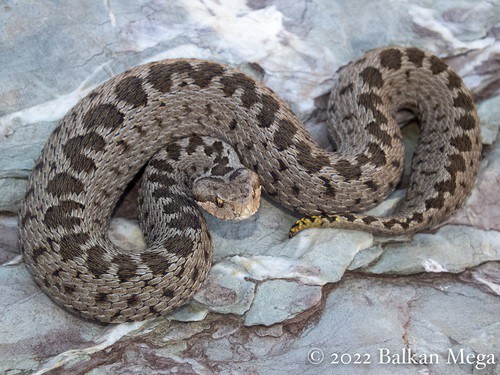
(206, 119)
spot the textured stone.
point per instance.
(9, 243)
(489, 113)
(486, 277)
(451, 249)
(279, 300)
(189, 313)
(482, 209)
(227, 289)
(360, 315)
(32, 327)
(126, 234)
(295, 48)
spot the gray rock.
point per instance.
(32, 327)
(295, 48)
(190, 312)
(227, 289)
(486, 277)
(365, 258)
(482, 209)
(254, 236)
(279, 300)
(489, 113)
(451, 249)
(126, 234)
(359, 316)
(9, 242)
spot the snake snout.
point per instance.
(235, 196)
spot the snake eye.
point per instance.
(219, 202)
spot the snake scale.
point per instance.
(205, 129)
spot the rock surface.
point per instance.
(270, 305)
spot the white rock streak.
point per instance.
(425, 18)
(52, 110)
(112, 336)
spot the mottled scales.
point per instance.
(209, 134)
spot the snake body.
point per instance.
(193, 108)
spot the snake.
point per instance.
(204, 135)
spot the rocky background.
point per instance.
(270, 305)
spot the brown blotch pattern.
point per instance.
(379, 117)
(378, 155)
(236, 174)
(63, 184)
(446, 185)
(101, 298)
(380, 134)
(369, 219)
(390, 223)
(346, 89)
(461, 143)
(130, 90)
(281, 166)
(60, 215)
(186, 220)
(68, 289)
(240, 81)
(156, 262)
(127, 269)
(436, 202)
(106, 115)
(415, 56)
(372, 185)
(164, 180)
(330, 190)
(454, 81)
(169, 293)
(466, 122)
(391, 58)
(457, 164)
(179, 245)
(348, 170)
(174, 151)
(205, 72)
(160, 77)
(372, 77)
(233, 124)
(349, 217)
(133, 300)
(181, 68)
(96, 262)
(39, 251)
(268, 111)
(161, 165)
(437, 65)
(70, 245)
(312, 163)
(369, 100)
(221, 167)
(74, 147)
(194, 142)
(218, 147)
(283, 136)
(463, 101)
(362, 159)
(249, 96)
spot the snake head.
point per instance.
(234, 196)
